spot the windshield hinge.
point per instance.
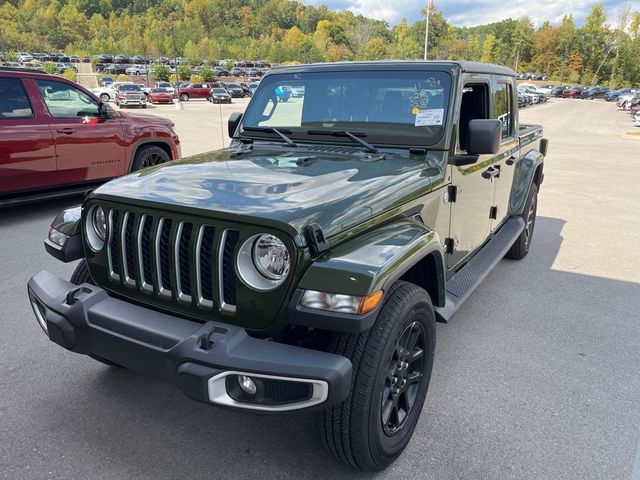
(451, 195)
(315, 237)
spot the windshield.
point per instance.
(387, 107)
(129, 88)
(219, 90)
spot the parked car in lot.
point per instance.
(219, 95)
(572, 92)
(557, 91)
(137, 69)
(235, 90)
(24, 57)
(594, 92)
(196, 90)
(237, 72)
(130, 95)
(57, 138)
(220, 71)
(106, 81)
(283, 93)
(165, 86)
(61, 67)
(108, 92)
(86, 59)
(74, 59)
(115, 69)
(303, 268)
(613, 96)
(161, 95)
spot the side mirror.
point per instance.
(103, 111)
(234, 122)
(484, 136)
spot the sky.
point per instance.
(463, 13)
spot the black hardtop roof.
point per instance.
(465, 66)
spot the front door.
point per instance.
(87, 147)
(470, 212)
(27, 153)
(504, 100)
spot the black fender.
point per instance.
(69, 224)
(364, 265)
(528, 170)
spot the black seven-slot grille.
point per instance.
(185, 261)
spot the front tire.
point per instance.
(105, 97)
(521, 246)
(148, 156)
(184, 97)
(392, 364)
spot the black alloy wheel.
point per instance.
(404, 374)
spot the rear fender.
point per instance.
(523, 178)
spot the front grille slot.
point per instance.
(205, 265)
(114, 257)
(227, 271)
(163, 251)
(145, 252)
(182, 261)
(185, 261)
(128, 242)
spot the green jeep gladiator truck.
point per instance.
(304, 267)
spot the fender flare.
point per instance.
(145, 141)
(366, 264)
(523, 177)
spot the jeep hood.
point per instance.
(283, 190)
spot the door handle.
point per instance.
(491, 172)
(66, 130)
(511, 160)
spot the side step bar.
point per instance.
(459, 287)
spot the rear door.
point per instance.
(27, 153)
(470, 222)
(504, 105)
(87, 147)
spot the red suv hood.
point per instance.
(147, 120)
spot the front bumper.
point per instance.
(196, 357)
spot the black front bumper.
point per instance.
(191, 355)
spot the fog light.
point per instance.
(247, 385)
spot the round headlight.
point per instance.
(263, 262)
(271, 257)
(96, 228)
(99, 220)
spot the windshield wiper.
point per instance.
(286, 139)
(343, 133)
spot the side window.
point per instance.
(474, 105)
(504, 111)
(196, 85)
(65, 101)
(14, 102)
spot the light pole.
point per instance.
(175, 54)
(426, 30)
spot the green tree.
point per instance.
(184, 72)
(487, 48)
(160, 72)
(374, 49)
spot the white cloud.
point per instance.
(470, 13)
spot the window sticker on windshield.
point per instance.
(429, 117)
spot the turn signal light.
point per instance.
(370, 302)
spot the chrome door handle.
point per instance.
(66, 131)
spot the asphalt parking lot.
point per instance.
(535, 378)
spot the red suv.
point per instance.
(56, 138)
(197, 90)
